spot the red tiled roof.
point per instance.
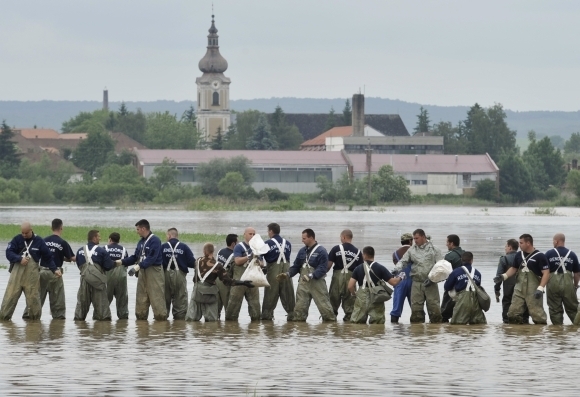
(321, 139)
(427, 163)
(40, 133)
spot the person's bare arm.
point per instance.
(352, 286)
(394, 281)
(545, 278)
(576, 279)
(330, 263)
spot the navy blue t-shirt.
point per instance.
(100, 257)
(458, 278)
(242, 249)
(571, 262)
(536, 262)
(379, 270)
(350, 252)
(223, 256)
(274, 253)
(116, 251)
(60, 249)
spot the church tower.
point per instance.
(213, 90)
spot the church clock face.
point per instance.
(215, 84)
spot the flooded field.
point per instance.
(292, 359)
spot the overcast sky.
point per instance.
(524, 54)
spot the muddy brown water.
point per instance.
(277, 358)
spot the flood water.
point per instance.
(121, 358)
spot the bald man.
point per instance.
(28, 254)
(242, 257)
(564, 277)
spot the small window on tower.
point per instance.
(216, 99)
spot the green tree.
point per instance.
(218, 142)
(347, 113)
(288, 137)
(515, 179)
(189, 115)
(572, 145)
(56, 173)
(454, 141)
(164, 175)
(327, 190)
(164, 131)
(239, 134)
(9, 156)
(262, 138)
(331, 120)
(486, 190)
(546, 162)
(423, 122)
(132, 124)
(232, 185)
(388, 187)
(88, 122)
(557, 141)
(123, 109)
(573, 182)
(486, 131)
(209, 174)
(92, 153)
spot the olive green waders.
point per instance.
(88, 295)
(237, 295)
(339, 294)
(312, 290)
(117, 288)
(363, 309)
(52, 286)
(196, 310)
(561, 295)
(23, 278)
(151, 292)
(524, 290)
(223, 296)
(176, 292)
(467, 309)
(421, 295)
(278, 289)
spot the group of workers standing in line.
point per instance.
(161, 268)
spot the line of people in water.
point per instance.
(358, 283)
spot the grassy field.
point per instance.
(78, 234)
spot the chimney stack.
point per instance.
(105, 99)
(358, 115)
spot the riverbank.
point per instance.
(78, 234)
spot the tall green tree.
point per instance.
(262, 138)
(210, 174)
(454, 140)
(423, 122)
(9, 156)
(164, 131)
(239, 134)
(189, 115)
(572, 145)
(546, 162)
(218, 142)
(132, 124)
(287, 136)
(123, 109)
(232, 185)
(486, 131)
(164, 175)
(331, 120)
(93, 152)
(347, 113)
(516, 182)
(95, 121)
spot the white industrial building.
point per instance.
(296, 171)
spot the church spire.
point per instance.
(213, 62)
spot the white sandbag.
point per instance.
(258, 246)
(255, 274)
(440, 271)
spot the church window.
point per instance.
(216, 99)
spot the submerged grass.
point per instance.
(78, 234)
(224, 204)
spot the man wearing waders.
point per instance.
(505, 262)
(26, 253)
(453, 257)
(242, 257)
(147, 260)
(117, 277)
(403, 289)
(225, 257)
(277, 261)
(533, 275)
(49, 284)
(368, 275)
(345, 257)
(460, 283)
(97, 257)
(204, 301)
(177, 259)
(421, 257)
(564, 276)
(312, 264)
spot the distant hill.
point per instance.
(51, 114)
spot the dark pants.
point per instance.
(447, 306)
(508, 293)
